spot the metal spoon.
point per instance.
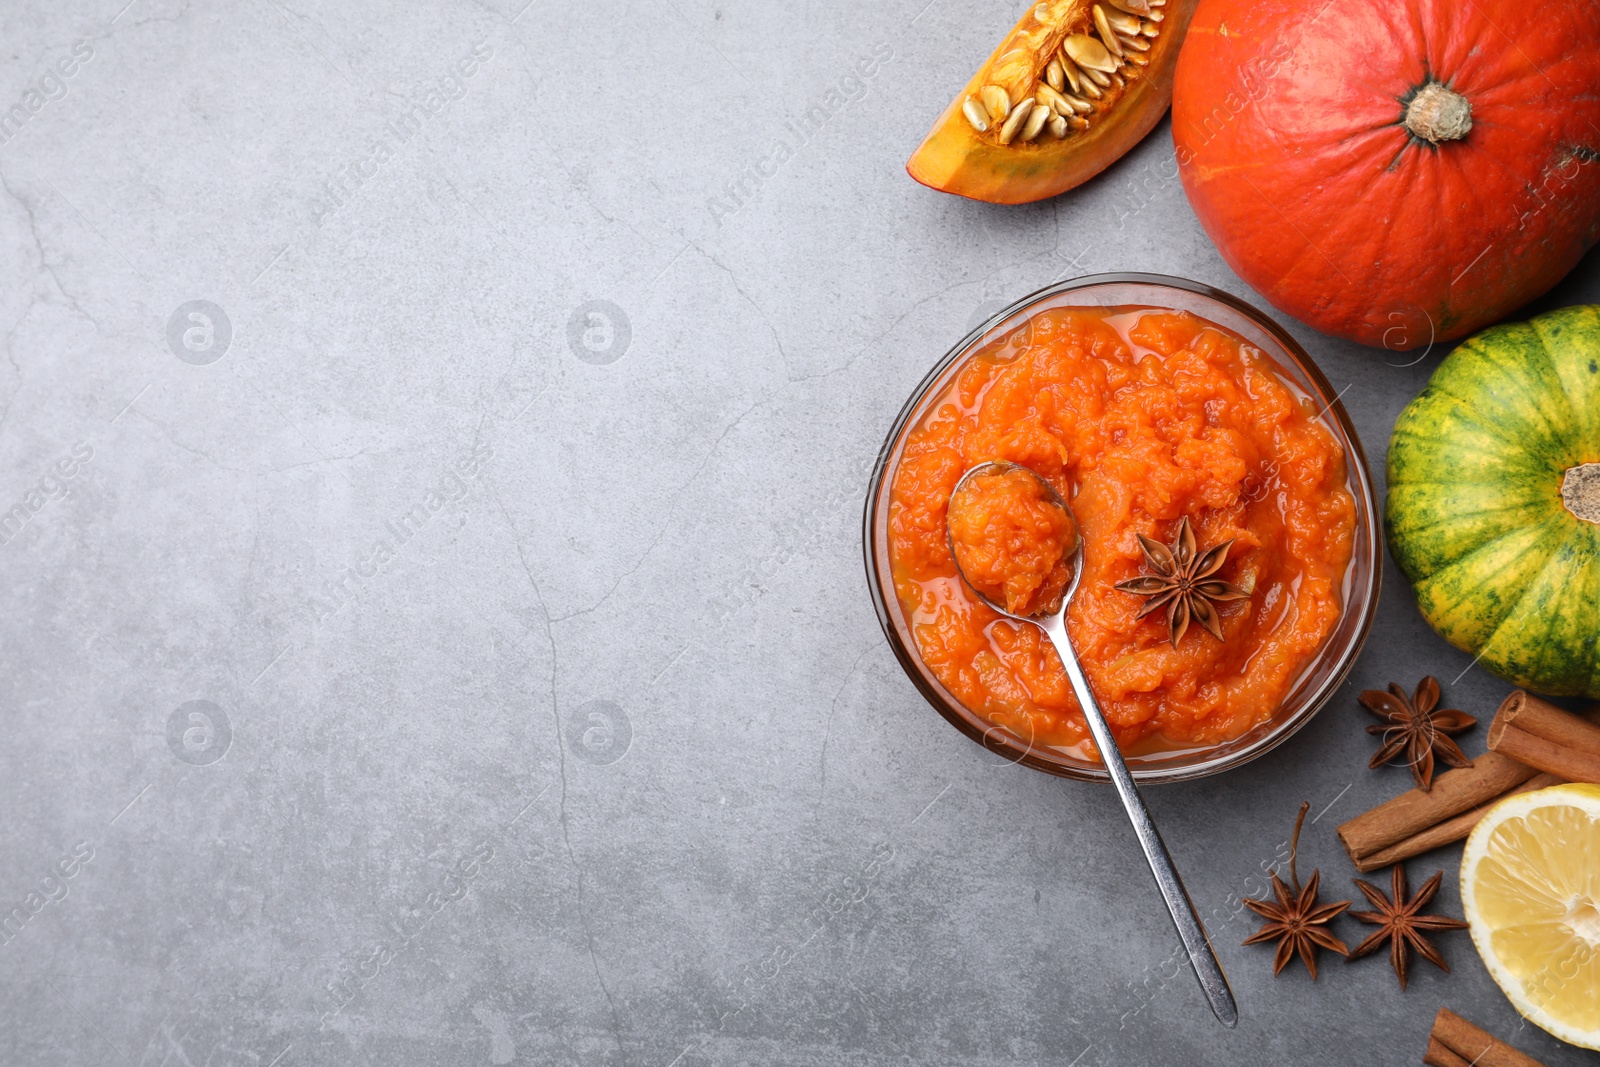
(1204, 961)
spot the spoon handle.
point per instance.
(1193, 934)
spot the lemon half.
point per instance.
(1530, 887)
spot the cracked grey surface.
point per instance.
(603, 759)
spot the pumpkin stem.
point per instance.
(1580, 492)
(1436, 114)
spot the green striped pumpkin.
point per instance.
(1494, 500)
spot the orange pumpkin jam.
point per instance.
(1139, 418)
(1012, 540)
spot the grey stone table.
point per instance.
(435, 628)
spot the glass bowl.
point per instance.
(1322, 675)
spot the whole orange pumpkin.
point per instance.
(1395, 172)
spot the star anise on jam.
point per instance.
(1417, 728)
(1183, 583)
(1401, 926)
(1295, 920)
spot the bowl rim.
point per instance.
(1000, 741)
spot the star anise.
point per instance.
(1417, 728)
(1400, 924)
(1295, 920)
(1183, 583)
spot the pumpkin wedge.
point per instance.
(1074, 85)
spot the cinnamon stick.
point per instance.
(1440, 1056)
(1454, 793)
(1445, 833)
(1471, 1045)
(1541, 735)
(1541, 717)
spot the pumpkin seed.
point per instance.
(1070, 69)
(1091, 89)
(1036, 120)
(1088, 53)
(1138, 60)
(1054, 75)
(996, 100)
(1149, 29)
(1136, 44)
(1058, 127)
(1052, 99)
(1077, 104)
(1078, 122)
(976, 115)
(1122, 22)
(1098, 78)
(1014, 121)
(1135, 7)
(1108, 36)
(1156, 15)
